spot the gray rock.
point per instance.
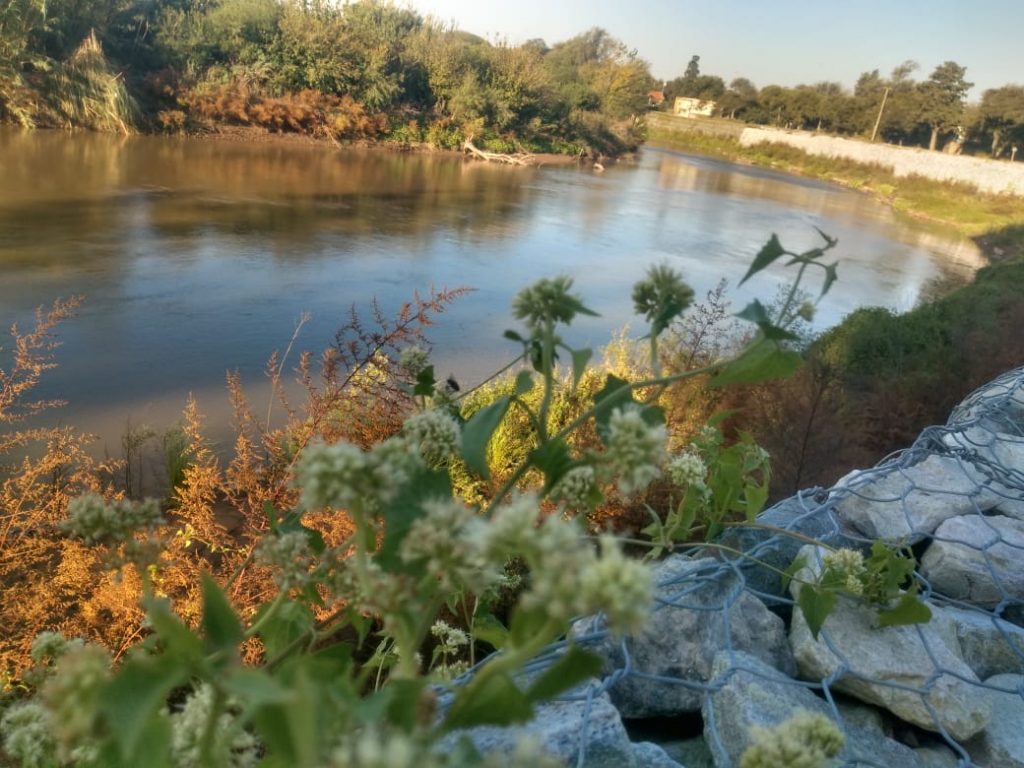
(703, 609)
(990, 445)
(1002, 744)
(563, 728)
(989, 645)
(937, 756)
(693, 753)
(753, 694)
(1001, 401)
(897, 503)
(649, 755)
(876, 664)
(977, 558)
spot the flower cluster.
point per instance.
(846, 568)
(72, 696)
(290, 556)
(547, 300)
(805, 740)
(661, 297)
(445, 543)
(413, 360)
(577, 488)
(568, 578)
(233, 746)
(94, 519)
(635, 449)
(27, 730)
(686, 470)
(343, 475)
(435, 434)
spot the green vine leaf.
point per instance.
(771, 251)
(477, 432)
(815, 605)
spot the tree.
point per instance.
(739, 98)
(1001, 117)
(942, 99)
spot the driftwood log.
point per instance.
(519, 158)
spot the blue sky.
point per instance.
(783, 41)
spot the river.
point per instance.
(199, 256)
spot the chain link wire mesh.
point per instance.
(957, 496)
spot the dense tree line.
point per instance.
(368, 67)
(928, 112)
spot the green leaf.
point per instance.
(614, 393)
(221, 627)
(526, 623)
(405, 509)
(756, 313)
(405, 707)
(830, 277)
(572, 668)
(177, 640)
(554, 459)
(514, 336)
(477, 432)
(792, 570)
(909, 610)
(580, 358)
(255, 688)
(524, 382)
(771, 251)
(135, 697)
(271, 512)
(426, 382)
(816, 605)
(762, 360)
(488, 629)
(289, 622)
(488, 700)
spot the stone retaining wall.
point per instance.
(994, 176)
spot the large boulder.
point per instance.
(748, 693)
(977, 559)
(913, 671)
(702, 607)
(1002, 744)
(989, 645)
(899, 503)
(581, 723)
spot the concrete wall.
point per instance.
(996, 176)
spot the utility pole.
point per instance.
(878, 120)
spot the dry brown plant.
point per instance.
(44, 578)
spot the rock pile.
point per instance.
(725, 652)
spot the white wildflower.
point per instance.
(94, 519)
(511, 525)
(619, 586)
(413, 360)
(52, 645)
(448, 635)
(372, 749)
(576, 488)
(435, 434)
(27, 729)
(687, 469)
(291, 557)
(635, 450)
(342, 475)
(805, 740)
(233, 746)
(72, 694)
(444, 541)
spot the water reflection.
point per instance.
(198, 256)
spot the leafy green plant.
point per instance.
(342, 681)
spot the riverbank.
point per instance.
(994, 222)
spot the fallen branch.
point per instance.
(519, 158)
